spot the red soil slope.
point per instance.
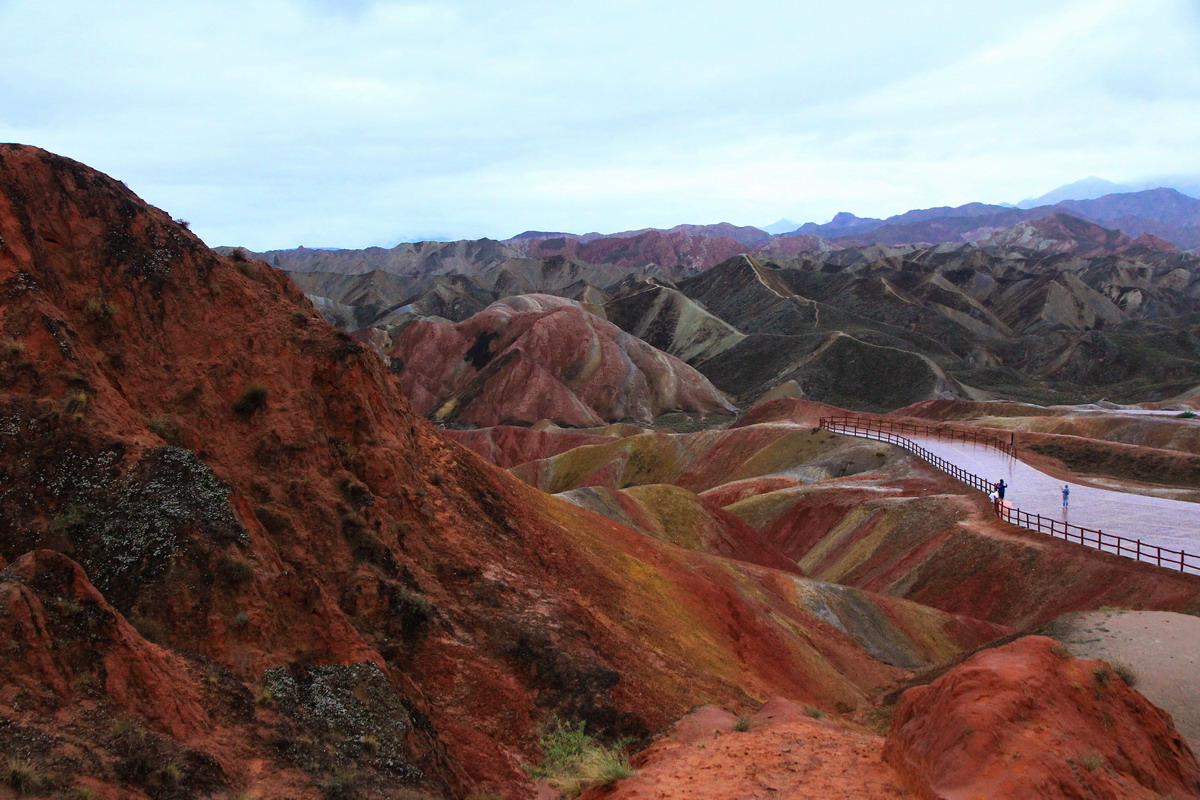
(1020, 722)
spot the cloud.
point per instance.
(273, 123)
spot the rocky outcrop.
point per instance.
(1028, 720)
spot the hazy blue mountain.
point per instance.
(1089, 188)
(782, 226)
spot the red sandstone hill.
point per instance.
(235, 560)
(534, 357)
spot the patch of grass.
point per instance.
(75, 404)
(83, 793)
(23, 778)
(300, 318)
(98, 308)
(574, 760)
(66, 607)
(815, 712)
(1186, 415)
(12, 348)
(1102, 675)
(1125, 673)
(1059, 649)
(252, 400)
(1092, 761)
(241, 619)
(742, 725)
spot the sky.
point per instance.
(353, 123)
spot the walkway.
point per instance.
(1166, 523)
(1170, 524)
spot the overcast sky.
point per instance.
(349, 123)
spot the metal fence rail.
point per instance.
(889, 431)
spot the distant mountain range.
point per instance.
(1163, 220)
(1055, 309)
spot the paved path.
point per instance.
(1173, 524)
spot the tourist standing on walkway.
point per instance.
(1000, 487)
(1066, 495)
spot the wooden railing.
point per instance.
(888, 431)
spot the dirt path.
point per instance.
(1162, 649)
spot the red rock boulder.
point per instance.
(1028, 721)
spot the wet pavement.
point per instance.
(1172, 524)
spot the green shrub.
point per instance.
(742, 725)
(171, 774)
(815, 712)
(1092, 761)
(70, 519)
(252, 400)
(23, 778)
(239, 254)
(12, 348)
(97, 308)
(232, 572)
(341, 786)
(574, 760)
(1186, 415)
(66, 607)
(165, 428)
(83, 793)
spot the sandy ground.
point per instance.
(1162, 648)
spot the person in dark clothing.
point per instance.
(1000, 487)
(1066, 490)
